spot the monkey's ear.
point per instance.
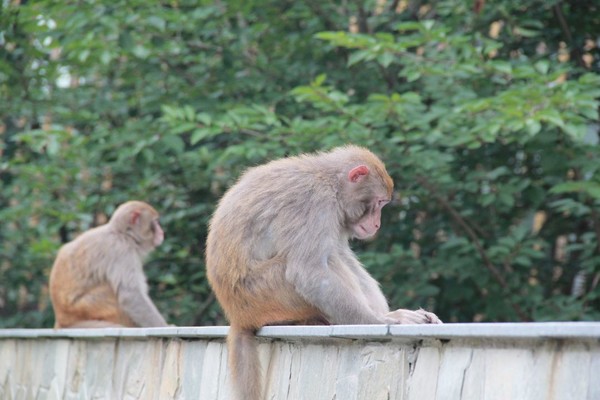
(135, 216)
(357, 173)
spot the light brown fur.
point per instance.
(277, 250)
(97, 279)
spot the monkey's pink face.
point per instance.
(368, 225)
(159, 235)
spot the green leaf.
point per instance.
(506, 198)
(182, 127)
(428, 24)
(83, 55)
(552, 116)
(358, 56)
(529, 33)
(204, 118)
(501, 66)
(200, 134)
(533, 126)
(408, 26)
(411, 75)
(498, 172)
(542, 66)
(157, 22)
(590, 188)
(106, 57)
(141, 51)
(386, 59)
(576, 131)
(174, 143)
(319, 80)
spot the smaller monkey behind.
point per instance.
(97, 280)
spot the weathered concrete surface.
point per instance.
(552, 361)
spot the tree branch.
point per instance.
(204, 307)
(562, 21)
(596, 223)
(363, 26)
(475, 240)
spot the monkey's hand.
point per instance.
(420, 316)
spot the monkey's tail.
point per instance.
(244, 363)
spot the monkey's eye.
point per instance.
(366, 205)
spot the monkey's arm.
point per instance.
(369, 286)
(332, 287)
(377, 301)
(132, 294)
(140, 308)
(379, 304)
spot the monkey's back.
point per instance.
(79, 292)
(251, 232)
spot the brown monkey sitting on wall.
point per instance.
(277, 250)
(97, 279)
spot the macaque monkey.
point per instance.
(277, 251)
(98, 280)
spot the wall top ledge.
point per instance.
(533, 330)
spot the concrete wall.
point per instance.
(454, 361)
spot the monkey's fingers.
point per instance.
(403, 316)
(431, 317)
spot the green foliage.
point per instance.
(487, 121)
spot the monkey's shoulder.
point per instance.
(281, 185)
(96, 241)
